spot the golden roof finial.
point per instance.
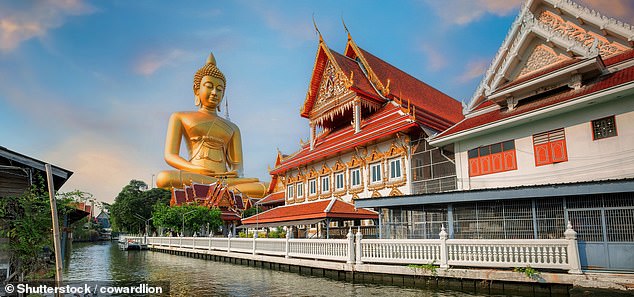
(321, 39)
(346, 28)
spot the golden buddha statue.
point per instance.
(213, 143)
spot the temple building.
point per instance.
(547, 138)
(367, 120)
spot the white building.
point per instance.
(548, 137)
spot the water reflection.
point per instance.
(197, 277)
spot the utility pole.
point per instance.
(56, 241)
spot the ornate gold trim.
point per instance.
(395, 192)
(374, 156)
(375, 194)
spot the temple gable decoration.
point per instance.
(547, 34)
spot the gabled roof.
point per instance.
(387, 121)
(442, 110)
(330, 208)
(497, 117)
(178, 197)
(378, 81)
(273, 198)
(346, 68)
(571, 29)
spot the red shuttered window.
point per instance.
(492, 158)
(550, 147)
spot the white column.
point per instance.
(288, 237)
(443, 248)
(357, 115)
(351, 257)
(573, 250)
(358, 251)
(312, 135)
(255, 236)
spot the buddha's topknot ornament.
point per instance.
(210, 69)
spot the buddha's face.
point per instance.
(211, 92)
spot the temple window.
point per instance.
(603, 128)
(395, 169)
(550, 147)
(375, 173)
(289, 191)
(300, 190)
(355, 177)
(325, 184)
(339, 184)
(312, 187)
(492, 158)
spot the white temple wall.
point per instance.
(588, 159)
(362, 158)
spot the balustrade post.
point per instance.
(180, 242)
(358, 251)
(229, 244)
(350, 237)
(255, 236)
(573, 250)
(288, 237)
(443, 248)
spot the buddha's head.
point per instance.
(209, 85)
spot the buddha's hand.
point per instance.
(232, 173)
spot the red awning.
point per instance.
(323, 209)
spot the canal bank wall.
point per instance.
(475, 280)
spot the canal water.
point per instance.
(197, 277)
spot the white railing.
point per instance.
(539, 253)
(320, 249)
(412, 251)
(543, 253)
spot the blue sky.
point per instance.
(89, 85)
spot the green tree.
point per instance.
(26, 221)
(134, 204)
(251, 211)
(195, 217)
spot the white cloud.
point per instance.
(151, 62)
(462, 12)
(35, 19)
(474, 69)
(435, 60)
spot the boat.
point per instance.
(127, 244)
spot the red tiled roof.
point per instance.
(360, 81)
(384, 122)
(427, 99)
(619, 58)
(484, 105)
(178, 197)
(229, 215)
(200, 190)
(311, 210)
(273, 198)
(620, 77)
(189, 194)
(624, 56)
